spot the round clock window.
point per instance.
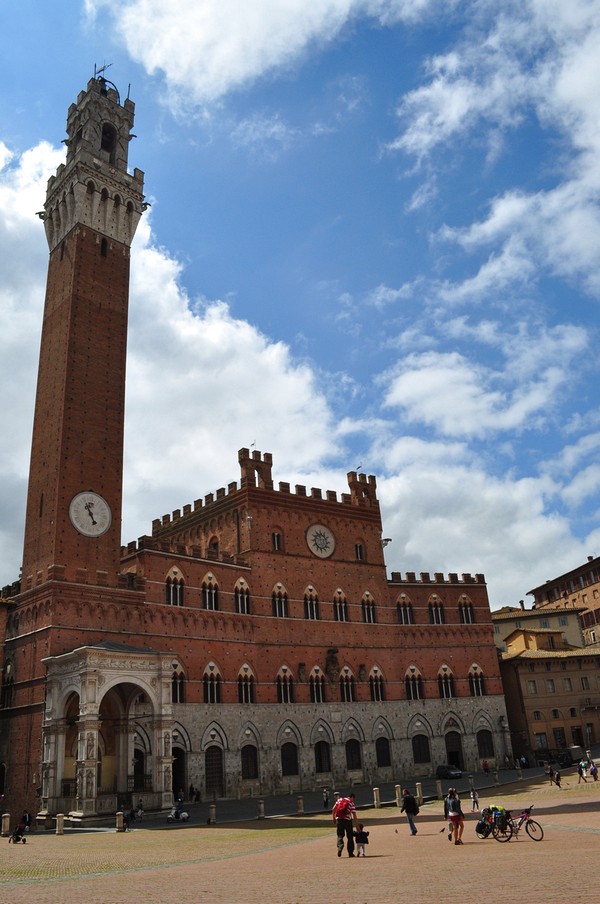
(90, 514)
(320, 540)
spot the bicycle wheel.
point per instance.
(483, 829)
(534, 830)
(503, 833)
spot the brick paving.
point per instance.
(293, 860)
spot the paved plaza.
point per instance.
(292, 860)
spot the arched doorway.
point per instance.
(213, 765)
(139, 770)
(179, 782)
(454, 754)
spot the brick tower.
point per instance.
(92, 208)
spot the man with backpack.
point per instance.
(345, 821)
(411, 808)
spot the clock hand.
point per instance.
(88, 507)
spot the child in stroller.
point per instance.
(18, 834)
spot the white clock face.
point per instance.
(90, 514)
(320, 540)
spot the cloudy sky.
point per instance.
(374, 242)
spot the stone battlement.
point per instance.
(256, 472)
(438, 578)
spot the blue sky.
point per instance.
(374, 241)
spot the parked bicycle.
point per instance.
(533, 828)
(494, 821)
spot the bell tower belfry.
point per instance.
(93, 205)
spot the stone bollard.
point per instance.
(300, 806)
(60, 823)
(398, 790)
(376, 798)
(496, 778)
(261, 809)
(5, 824)
(419, 793)
(120, 822)
(519, 772)
(438, 789)
(212, 815)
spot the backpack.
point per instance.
(454, 805)
(342, 808)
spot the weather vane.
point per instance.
(102, 69)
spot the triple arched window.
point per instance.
(446, 683)
(340, 606)
(211, 684)
(241, 596)
(347, 687)
(210, 594)
(466, 613)
(414, 684)
(404, 611)
(368, 609)
(245, 685)
(311, 604)
(174, 588)
(316, 685)
(177, 687)
(279, 602)
(376, 685)
(285, 686)
(476, 682)
(436, 612)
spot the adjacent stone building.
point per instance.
(252, 642)
(552, 692)
(576, 589)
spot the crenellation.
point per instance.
(221, 493)
(198, 504)
(331, 496)
(284, 486)
(176, 515)
(438, 578)
(300, 490)
(316, 493)
(187, 510)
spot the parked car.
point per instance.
(571, 755)
(447, 771)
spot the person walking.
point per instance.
(344, 818)
(581, 773)
(362, 838)
(456, 816)
(474, 800)
(411, 808)
(325, 799)
(594, 771)
(557, 779)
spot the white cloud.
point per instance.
(459, 397)
(537, 57)
(267, 133)
(436, 512)
(207, 48)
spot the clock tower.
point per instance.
(93, 205)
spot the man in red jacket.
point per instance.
(345, 820)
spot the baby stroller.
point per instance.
(18, 834)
